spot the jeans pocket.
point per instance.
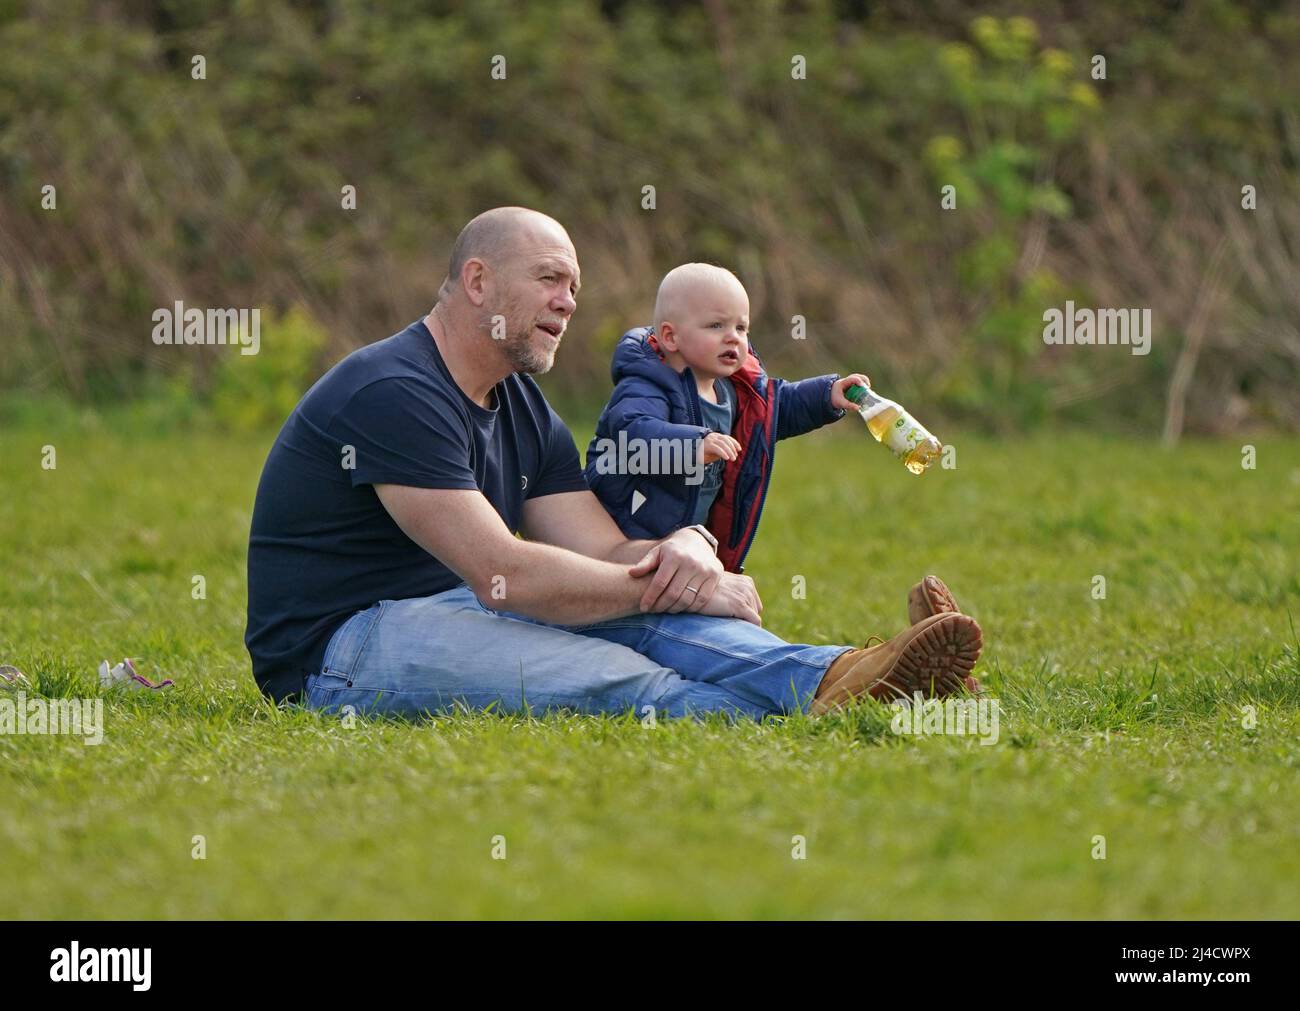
(346, 646)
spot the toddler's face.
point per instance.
(711, 332)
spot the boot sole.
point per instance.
(929, 596)
(936, 662)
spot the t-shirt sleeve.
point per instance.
(561, 468)
(402, 432)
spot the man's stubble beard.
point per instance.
(518, 348)
(526, 357)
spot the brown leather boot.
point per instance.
(931, 596)
(928, 597)
(932, 657)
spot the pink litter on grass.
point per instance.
(136, 676)
(125, 673)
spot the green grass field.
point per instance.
(1121, 717)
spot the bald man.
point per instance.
(384, 570)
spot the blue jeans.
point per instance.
(425, 655)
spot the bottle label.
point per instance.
(905, 435)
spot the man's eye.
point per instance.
(548, 277)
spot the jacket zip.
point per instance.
(697, 418)
(765, 479)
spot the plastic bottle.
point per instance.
(890, 424)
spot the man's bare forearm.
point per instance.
(629, 552)
(560, 586)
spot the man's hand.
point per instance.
(716, 446)
(838, 399)
(684, 563)
(736, 597)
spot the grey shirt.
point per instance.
(718, 418)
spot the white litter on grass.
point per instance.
(124, 674)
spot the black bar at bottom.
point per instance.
(336, 959)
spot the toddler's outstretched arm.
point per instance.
(808, 404)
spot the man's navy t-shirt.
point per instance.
(323, 547)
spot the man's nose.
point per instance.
(565, 303)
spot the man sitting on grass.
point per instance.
(384, 572)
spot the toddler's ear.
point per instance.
(667, 334)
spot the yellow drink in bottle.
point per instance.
(895, 428)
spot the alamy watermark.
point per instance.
(633, 456)
(77, 717)
(959, 717)
(1130, 327)
(179, 325)
(75, 964)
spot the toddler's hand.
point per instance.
(838, 399)
(716, 446)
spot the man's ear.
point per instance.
(474, 279)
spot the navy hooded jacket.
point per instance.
(653, 401)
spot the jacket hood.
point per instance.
(637, 354)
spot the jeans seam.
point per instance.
(727, 653)
(578, 629)
(550, 699)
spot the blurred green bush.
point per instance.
(822, 189)
(255, 392)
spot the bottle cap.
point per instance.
(856, 393)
